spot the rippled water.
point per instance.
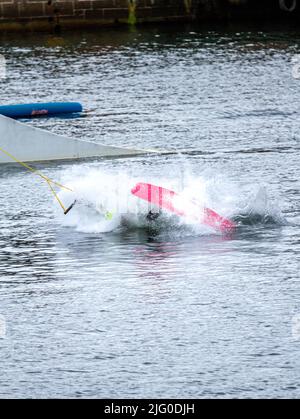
(98, 308)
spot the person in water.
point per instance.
(152, 216)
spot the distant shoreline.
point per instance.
(52, 16)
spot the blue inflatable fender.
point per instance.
(38, 109)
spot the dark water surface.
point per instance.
(169, 311)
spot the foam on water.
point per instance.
(105, 203)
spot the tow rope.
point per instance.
(49, 181)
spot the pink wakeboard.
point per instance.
(177, 204)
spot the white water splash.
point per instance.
(105, 203)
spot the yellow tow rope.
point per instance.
(49, 181)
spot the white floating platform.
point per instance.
(32, 144)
